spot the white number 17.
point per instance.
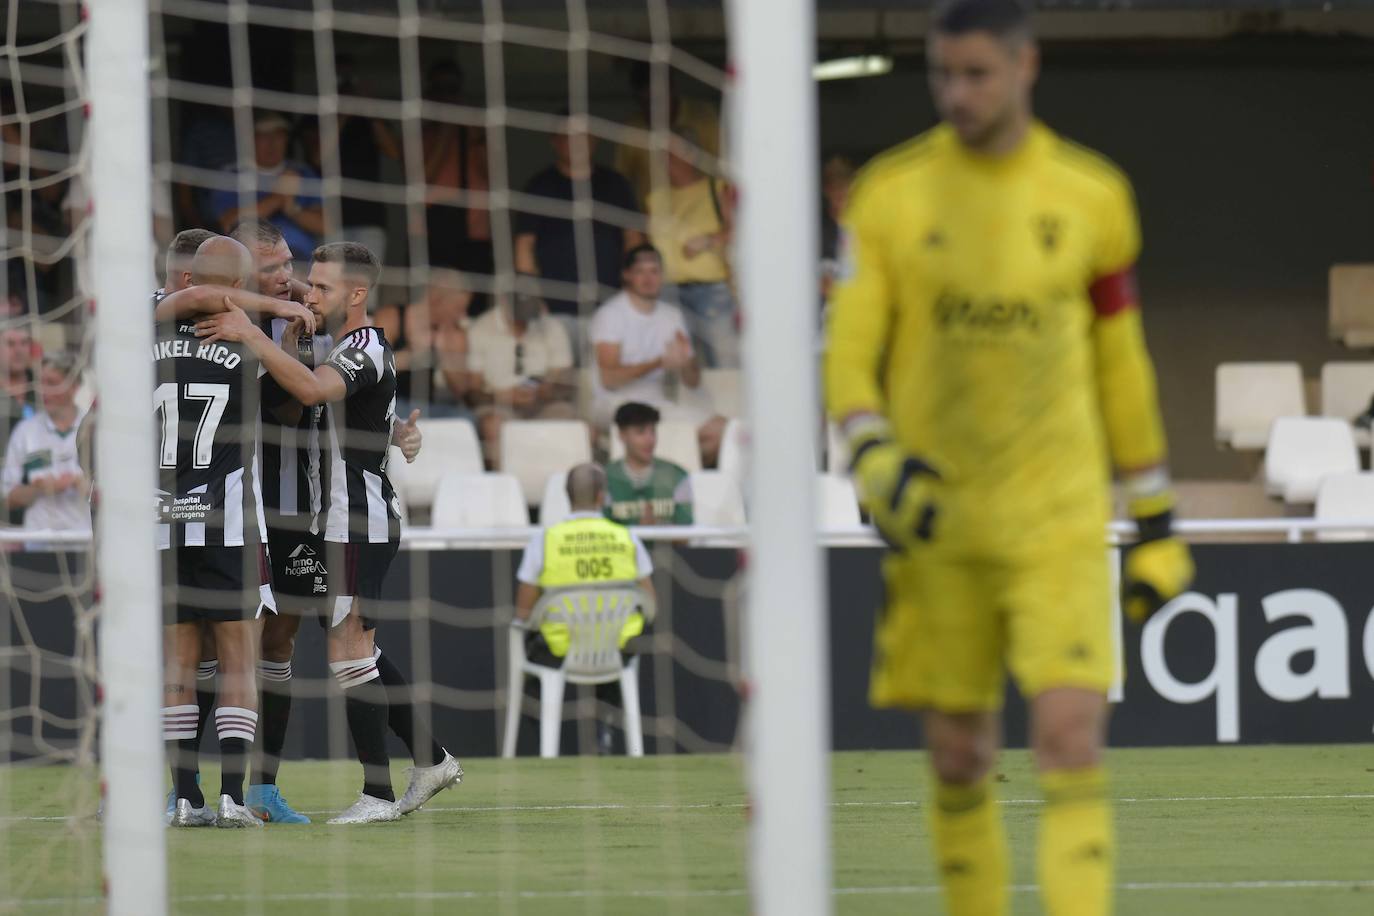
(216, 398)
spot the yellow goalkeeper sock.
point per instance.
(1077, 843)
(970, 848)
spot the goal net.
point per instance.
(504, 161)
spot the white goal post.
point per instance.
(120, 170)
(773, 147)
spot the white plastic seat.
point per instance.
(1346, 392)
(1251, 396)
(726, 390)
(1350, 304)
(595, 616)
(1348, 495)
(733, 458)
(836, 450)
(555, 506)
(837, 502)
(677, 442)
(716, 500)
(479, 501)
(1303, 450)
(531, 450)
(447, 446)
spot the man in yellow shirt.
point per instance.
(986, 360)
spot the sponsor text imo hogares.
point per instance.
(1279, 638)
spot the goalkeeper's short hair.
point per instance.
(1006, 19)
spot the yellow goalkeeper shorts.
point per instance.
(952, 627)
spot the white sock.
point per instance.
(206, 670)
(179, 722)
(274, 671)
(354, 673)
(236, 722)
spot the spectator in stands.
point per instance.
(691, 220)
(207, 144)
(521, 366)
(42, 472)
(459, 231)
(362, 144)
(547, 246)
(605, 554)
(429, 338)
(836, 176)
(17, 398)
(278, 184)
(643, 353)
(643, 489)
(685, 115)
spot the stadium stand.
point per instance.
(1350, 304)
(837, 503)
(450, 446)
(1251, 396)
(531, 450)
(1303, 450)
(836, 451)
(555, 507)
(734, 454)
(726, 391)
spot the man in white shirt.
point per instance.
(520, 362)
(42, 473)
(644, 353)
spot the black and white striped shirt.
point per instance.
(205, 404)
(362, 506)
(290, 456)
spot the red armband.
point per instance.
(1114, 293)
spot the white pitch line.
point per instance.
(704, 893)
(894, 803)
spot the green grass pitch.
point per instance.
(1238, 830)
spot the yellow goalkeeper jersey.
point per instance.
(968, 313)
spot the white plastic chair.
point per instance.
(531, 450)
(726, 391)
(1251, 396)
(1349, 495)
(447, 446)
(837, 502)
(1346, 391)
(555, 506)
(479, 501)
(836, 450)
(1303, 450)
(716, 500)
(1350, 304)
(595, 616)
(677, 442)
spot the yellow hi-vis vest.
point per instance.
(587, 551)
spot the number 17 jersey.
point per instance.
(204, 408)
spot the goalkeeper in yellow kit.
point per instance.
(986, 361)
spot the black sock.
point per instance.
(205, 704)
(274, 711)
(182, 756)
(366, 708)
(410, 728)
(233, 756)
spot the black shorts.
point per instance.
(359, 570)
(299, 568)
(207, 583)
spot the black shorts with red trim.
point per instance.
(207, 583)
(359, 571)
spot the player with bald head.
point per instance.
(221, 261)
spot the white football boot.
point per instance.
(427, 782)
(186, 816)
(368, 810)
(235, 815)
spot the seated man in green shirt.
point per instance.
(645, 490)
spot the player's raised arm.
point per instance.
(210, 299)
(1159, 568)
(308, 386)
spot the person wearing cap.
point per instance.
(282, 190)
(520, 365)
(42, 472)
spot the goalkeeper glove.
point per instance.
(895, 487)
(1159, 567)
